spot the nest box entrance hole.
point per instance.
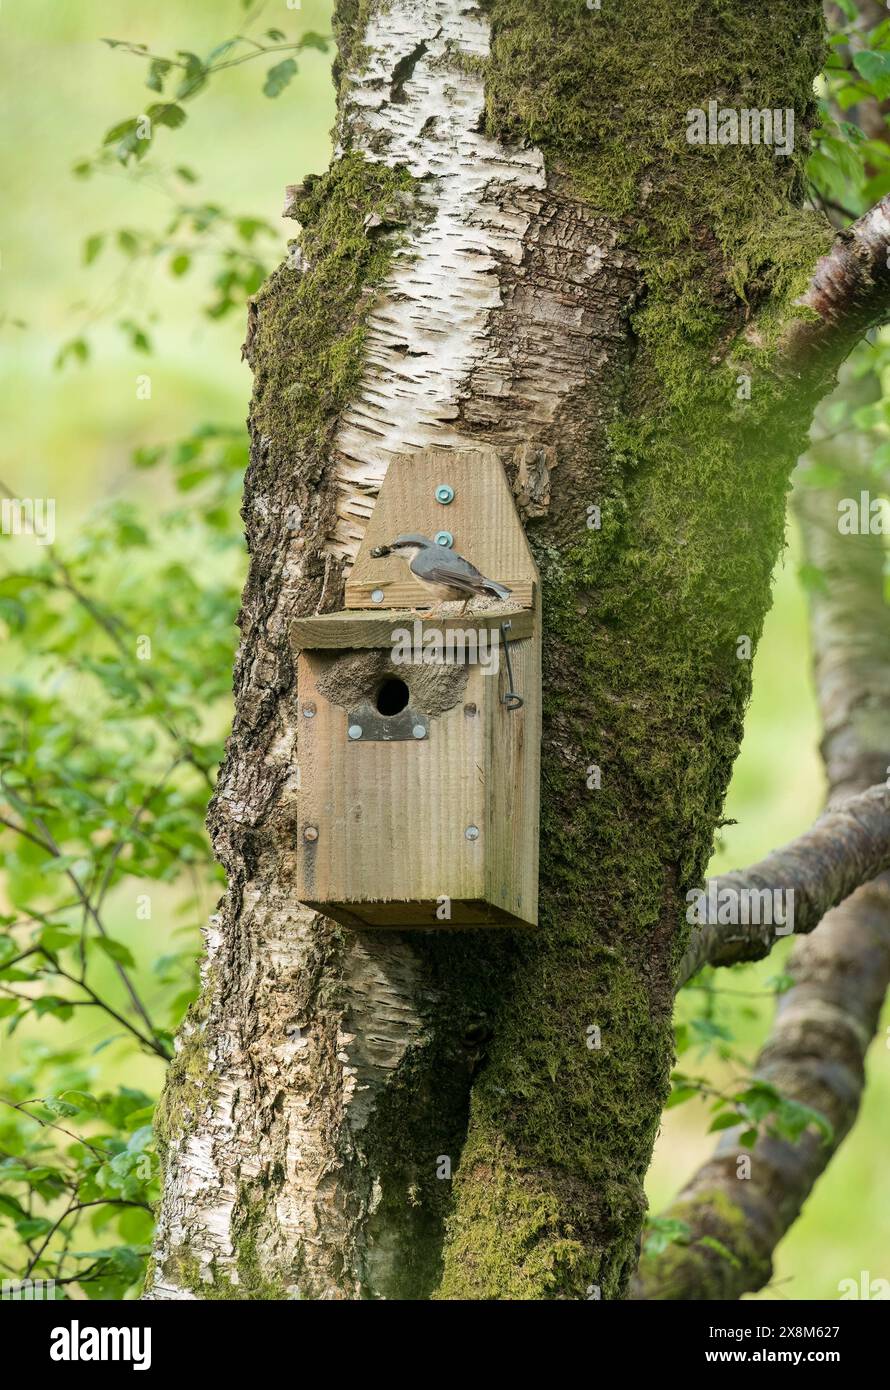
(392, 696)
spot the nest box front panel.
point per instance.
(393, 808)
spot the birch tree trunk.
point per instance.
(516, 245)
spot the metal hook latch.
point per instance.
(510, 697)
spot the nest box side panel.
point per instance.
(481, 518)
(513, 759)
(387, 821)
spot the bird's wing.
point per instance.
(451, 569)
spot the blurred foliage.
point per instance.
(110, 737)
(109, 744)
(112, 725)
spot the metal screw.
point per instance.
(419, 731)
(377, 596)
(444, 494)
(309, 710)
(472, 832)
(355, 731)
(444, 538)
(310, 833)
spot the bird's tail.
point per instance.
(499, 590)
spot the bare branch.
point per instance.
(815, 1054)
(848, 846)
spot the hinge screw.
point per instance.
(444, 494)
(310, 833)
(472, 832)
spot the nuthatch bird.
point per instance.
(448, 575)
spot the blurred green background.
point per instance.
(71, 434)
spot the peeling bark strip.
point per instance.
(500, 254)
(847, 847)
(826, 1021)
(414, 105)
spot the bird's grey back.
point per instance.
(441, 566)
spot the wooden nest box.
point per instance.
(418, 763)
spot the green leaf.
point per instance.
(220, 51)
(278, 77)
(120, 131)
(157, 71)
(168, 114)
(92, 246)
(148, 455)
(875, 68)
(128, 241)
(57, 938)
(136, 1226)
(662, 1231)
(180, 263)
(680, 1094)
(75, 349)
(53, 1004)
(138, 1118)
(115, 950)
(318, 41)
(140, 341)
(83, 1100)
(195, 75)
(33, 1226)
(56, 1106)
(728, 1120)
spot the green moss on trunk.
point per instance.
(307, 357)
(642, 618)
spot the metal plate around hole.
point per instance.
(387, 728)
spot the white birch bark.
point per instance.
(505, 302)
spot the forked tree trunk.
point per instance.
(515, 245)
